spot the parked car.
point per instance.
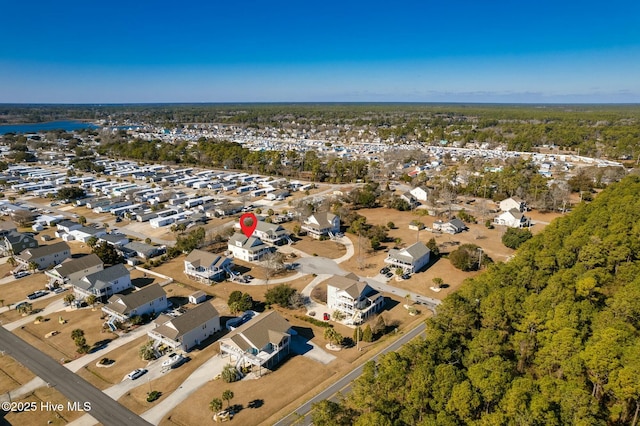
(384, 270)
(36, 294)
(389, 274)
(20, 274)
(60, 290)
(136, 373)
(325, 316)
(406, 276)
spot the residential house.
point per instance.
(85, 233)
(15, 242)
(513, 218)
(187, 330)
(116, 240)
(410, 259)
(44, 256)
(105, 283)
(410, 199)
(149, 300)
(453, 226)
(247, 249)
(205, 266)
(420, 193)
(264, 341)
(74, 269)
(67, 226)
(271, 233)
(223, 210)
(513, 203)
(355, 299)
(142, 250)
(322, 224)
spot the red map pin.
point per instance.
(248, 229)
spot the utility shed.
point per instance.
(197, 297)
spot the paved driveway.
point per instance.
(307, 348)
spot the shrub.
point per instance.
(513, 237)
(230, 374)
(314, 321)
(280, 294)
(153, 395)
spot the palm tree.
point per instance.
(12, 261)
(215, 405)
(91, 300)
(33, 266)
(438, 282)
(227, 396)
(77, 333)
(70, 298)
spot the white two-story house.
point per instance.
(149, 300)
(248, 249)
(321, 224)
(103, 284)
(355, 299)
(206, 267)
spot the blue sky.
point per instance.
(355, 51)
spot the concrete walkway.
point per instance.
(23, 390)
(195, 381)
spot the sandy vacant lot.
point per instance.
(62, 346)
(12, 374)
(43, 417)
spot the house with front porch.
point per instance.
(44, 256)
(248, 249)
(453, 226)
(74, 269)
(513, 218)
(187, 330)
(271, 233)
(410, 259)
(205, 266)
(262, 342)
(356, 299)
(322, 224)
(149, 300)
(103, 284)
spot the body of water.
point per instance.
(43, 127)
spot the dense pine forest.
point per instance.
(549, 338)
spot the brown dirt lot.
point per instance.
(136, 399)
(17, 290)
(12, 374)
(126, 360)
(43, 416)
(62, 345)
(184, 286)
(328, 249)
(488, 239)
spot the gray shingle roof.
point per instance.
(186, 322)
(35, 253)
(266, 328)
(71, 266)
(123, 304)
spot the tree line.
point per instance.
(551, 337)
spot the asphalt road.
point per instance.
(344, 385)
(76, 389)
